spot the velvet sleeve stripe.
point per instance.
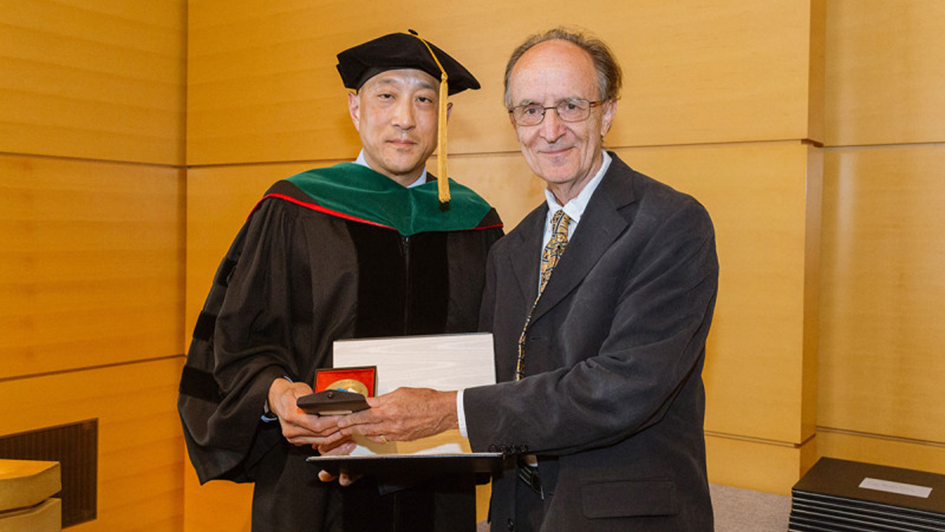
(199, 385)
(206, 324)
(223, 273)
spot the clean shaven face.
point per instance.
(395, 113)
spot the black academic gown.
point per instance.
(295, 280)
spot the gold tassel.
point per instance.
(443, 184)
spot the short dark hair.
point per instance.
(609, 75)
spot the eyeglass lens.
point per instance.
(571, 110)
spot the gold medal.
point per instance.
(349, 385)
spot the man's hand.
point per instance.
(297, 426)
(342, 447)
(406, 414)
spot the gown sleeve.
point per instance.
(243, 340)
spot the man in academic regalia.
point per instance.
(377, 247)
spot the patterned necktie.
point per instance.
(549, 259)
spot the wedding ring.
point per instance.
(383, 438)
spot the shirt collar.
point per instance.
(363, 162)
(575, 207)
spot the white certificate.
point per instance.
(448, 362)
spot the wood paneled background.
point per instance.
(92, 228)
(813, 131)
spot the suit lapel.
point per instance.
(600, 226)
(528, 244)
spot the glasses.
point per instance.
(570, 110)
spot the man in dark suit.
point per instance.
(600, 317)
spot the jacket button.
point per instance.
(523, 448)
(511, 526)
(493, 448)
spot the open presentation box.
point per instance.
(443, 362)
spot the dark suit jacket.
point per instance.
(613, 402)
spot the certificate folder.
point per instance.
(446, 362)
(846, 495)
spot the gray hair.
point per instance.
(609, 76)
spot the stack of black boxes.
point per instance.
(840, 495)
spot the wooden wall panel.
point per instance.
(895, 452)
(770, 467)
(99, 80)
(704, 72)
(231, 505)
(262, 84)
(91, 264)
(885, 72)
(757, 196)
(504, 180)
(92, 239)
(881, 369)
(140, 460)
(816, 85)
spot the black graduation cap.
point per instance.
(402, 50)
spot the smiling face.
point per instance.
(565, 154)
(395, 113)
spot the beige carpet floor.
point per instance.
(741, 510)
